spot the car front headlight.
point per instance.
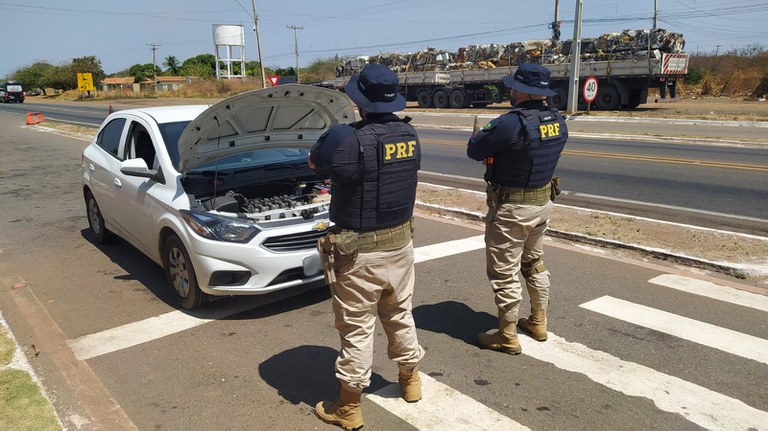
(219, 228)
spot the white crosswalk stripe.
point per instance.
(699, 405)
(442, 408)
(712, 290)
(705, 334)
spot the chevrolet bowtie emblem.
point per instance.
(321, 225)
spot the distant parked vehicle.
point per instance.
(12, 91)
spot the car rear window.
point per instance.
(14, 88)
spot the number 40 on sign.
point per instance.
(590, 90)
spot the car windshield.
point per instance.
(266, 158)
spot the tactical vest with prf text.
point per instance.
(388, 162)
(533, 164)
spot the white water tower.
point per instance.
(229, 43)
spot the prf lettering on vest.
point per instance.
(549, 131)
(397, 151)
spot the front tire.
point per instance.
(96, 220)
(181, 275)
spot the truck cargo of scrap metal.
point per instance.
(626, 65)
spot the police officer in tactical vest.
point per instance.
(368, 256)
(520, 150)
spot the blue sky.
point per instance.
(120, 32)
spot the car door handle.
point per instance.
(91, 167)
(118, 183)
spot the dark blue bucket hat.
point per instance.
(375, 89)
(530, 79)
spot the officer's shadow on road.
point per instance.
(454, 319)
(305, 374)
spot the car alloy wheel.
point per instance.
(177, 267)
(181, 275)
(96, 220)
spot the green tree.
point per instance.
(32, 76)
(143, 72)
(199, 70)
(172, 63)
(89, 64)
(320, 70)
(203, 66)
(60, 78)
(285, 71)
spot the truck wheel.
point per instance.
(607, 98)
(440, 99)
(458, 98)
(560, 99)
(424, 99)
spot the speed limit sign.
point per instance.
(590, 89)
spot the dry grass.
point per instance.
(730, 75)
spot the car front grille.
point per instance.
(294, 241)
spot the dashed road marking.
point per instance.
(736, 343)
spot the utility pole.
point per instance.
(258, 43)
(717, 49)
(573, 92)
(296, 44)
(556, 23)
(154, 66)
(655, 14)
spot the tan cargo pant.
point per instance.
(376, 283)
(514, 235)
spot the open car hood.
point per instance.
(291, 115)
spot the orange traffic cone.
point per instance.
(110, 109)
(34, 118)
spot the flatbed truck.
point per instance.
(621, 83)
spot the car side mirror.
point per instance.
(138, 168)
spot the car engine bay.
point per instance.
(303, 202)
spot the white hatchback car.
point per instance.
(221, 197)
